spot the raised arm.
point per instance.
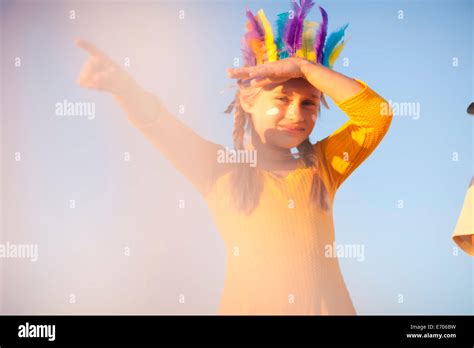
(369, 120)
(192, 155)
(369, 114)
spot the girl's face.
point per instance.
(284, 114)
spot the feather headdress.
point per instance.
(296, 37)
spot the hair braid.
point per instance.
(246, 182)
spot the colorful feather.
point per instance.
(249, 56)
(305, 7)
(254, 38)
(331, 43)
(335, 53)
(282, 21)
(321, 36)
(253, 25)
(271, 52)
(294, 27)
(290, 29)
(307, 46)
(295, 37)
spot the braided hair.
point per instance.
(246, 181)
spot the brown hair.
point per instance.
(247, 181)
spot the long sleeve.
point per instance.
(369, 120)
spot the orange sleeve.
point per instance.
(344, 150)
(463, 234)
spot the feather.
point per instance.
(253, 25)
(305, 7)
(336, 52)
(321, 36)
(249, 56)
(271, 51)
(255, 38)
(331, 43)
(281, 25)
(294, 27)
(290, 29)
(307, 46)
(295, 37)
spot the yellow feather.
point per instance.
(270, 47)
(336, 52)
(307, 50)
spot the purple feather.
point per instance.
(254, 32)
(249, 56)
(321, 36)
(305, 7)
(290, 29)
(255, 26)
(294, 28)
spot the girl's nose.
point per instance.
(294, 113)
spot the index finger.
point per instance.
(90, 48)
(239, 72)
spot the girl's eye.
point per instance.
(283, 99)
(309, 102)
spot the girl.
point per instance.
(276, 217)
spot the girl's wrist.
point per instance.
(306, 66)
(126, 89)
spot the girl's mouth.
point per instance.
(291, 129)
